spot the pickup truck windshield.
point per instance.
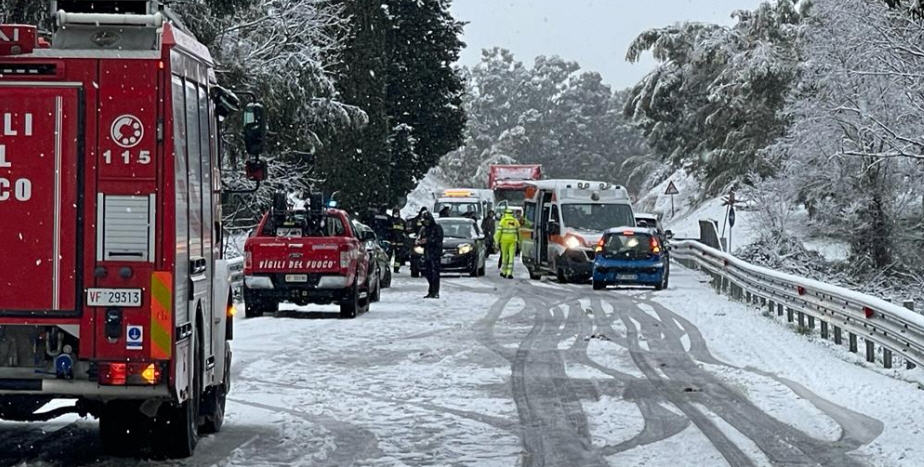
(302, 225)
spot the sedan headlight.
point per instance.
(465, 248)
(418, 250)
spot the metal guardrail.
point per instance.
(236, 266)
(838, 310)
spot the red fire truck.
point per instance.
(113, 289)
(509, 182)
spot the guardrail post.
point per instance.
(886, 358)
(747, 297)
(909, 304)
(801, 319)
(870, 352)
(789, 315)
(811, 322)
(824, 329)
(779, 309)
(852, 338)
(771, 307)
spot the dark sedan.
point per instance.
(464, 247)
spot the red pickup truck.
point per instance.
(306, 257)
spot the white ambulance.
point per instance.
(562, 222)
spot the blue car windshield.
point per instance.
(627, 246)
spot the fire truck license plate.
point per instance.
(114, 297)
(296, 278)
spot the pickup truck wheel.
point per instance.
(349, 307)
(253, 307)
(120, 425)
(386, 283)
(376, 294)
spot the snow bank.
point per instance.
(422, 196)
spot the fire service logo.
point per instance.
(127, 131)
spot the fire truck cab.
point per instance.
(113, 290)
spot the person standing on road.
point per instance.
(507, 234)
(487, 228)
(398, 236)
(431, 239)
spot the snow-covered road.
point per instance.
(503, 372)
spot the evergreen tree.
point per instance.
(397, 67)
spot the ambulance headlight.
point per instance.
(572, 242)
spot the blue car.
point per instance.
(631, 256)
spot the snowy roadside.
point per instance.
(743, 337)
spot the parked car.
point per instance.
(464, 248)
(378, 255)
(307, 257)
(631, 256)
(644, 219)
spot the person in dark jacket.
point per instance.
(487, 229)
(431, 238)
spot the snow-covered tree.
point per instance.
(714, 101)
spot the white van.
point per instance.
(562, 222)
(464, 202)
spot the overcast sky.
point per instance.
(595, 33)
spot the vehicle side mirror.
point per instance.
(255, 169)
(254, 128)
(669, 234)
(554, 228)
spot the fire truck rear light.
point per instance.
(248, 260)
(129, 374)
(113, 374)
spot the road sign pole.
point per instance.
(672, 205)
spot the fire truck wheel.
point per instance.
(215, 397)
(178, 424)
(349, 308)
(120, 428)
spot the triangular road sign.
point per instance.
(671, 189)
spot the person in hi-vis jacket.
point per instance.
(506, 236)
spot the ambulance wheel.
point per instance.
(599, 285)
(120, 425)
(534, 275)
(215, 398)
(349, 308)
(178, 424)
